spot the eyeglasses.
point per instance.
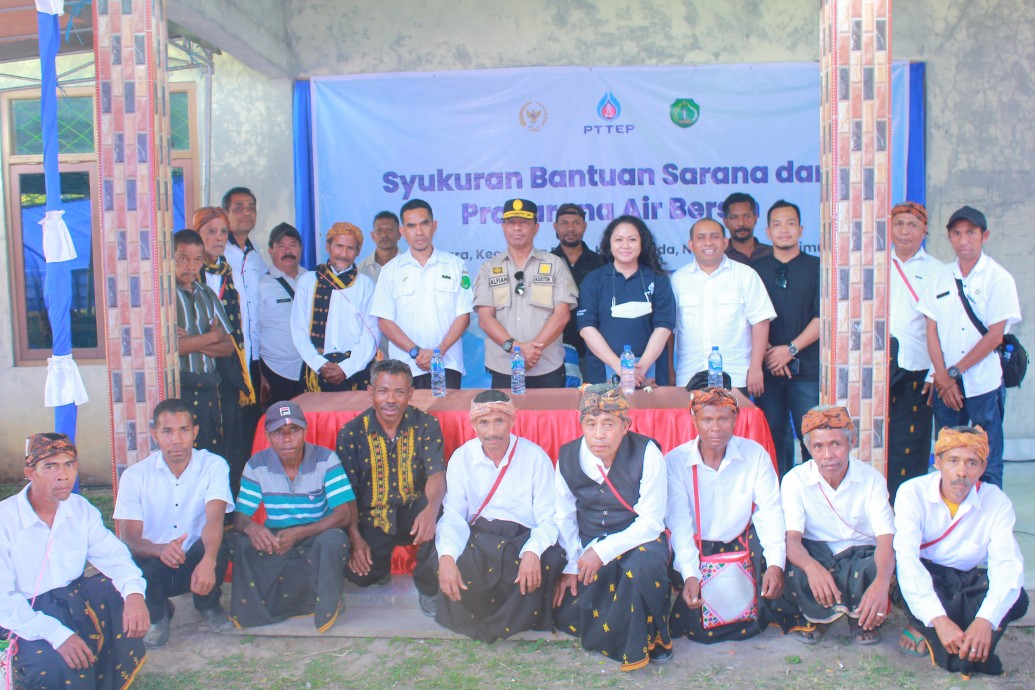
(781, 276)
(520, 278)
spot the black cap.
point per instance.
(520, 208)
(283, 413)
(281, 231)
(968, 213)
(571, 210)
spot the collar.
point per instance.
(162, 466)
(979, 267)
(483, 459)
(731, 456)
(406, 421)
(28, 514)
(534, 254)
(277, 273)
(920, 255)
(851, 476)
(407, 257)
(933, 494)
(586, 253)
(723, 265)
(307, 466)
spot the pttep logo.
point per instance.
(608, 109)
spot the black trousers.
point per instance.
(282, 388)
(910, 420)
(555, 379)
(423, 382)
(164, 582)
(381, 545)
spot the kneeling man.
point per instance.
(68, 630)
(839, 532)
(293, 564)
(723, 497)
(498, 557)
(959, 567)
(611, 497)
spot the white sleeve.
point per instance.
(112, 557)
(650, 510)
(768, 519)
(914, 581)
(452, 531)
(382, 305)
(127, 503)
(217, 485)
(1005, 567)
(15, 613)
(301, 313)
(544, 506)
(757, 305)
(792, 501)
(567, 523)
(679, 517)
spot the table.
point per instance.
(546, 417)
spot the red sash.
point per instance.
(499, 478)
(951, 527)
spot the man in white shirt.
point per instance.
(960, 570)
(280, 361)
(68, 630)
(385, 236)
(611, 497)
(170, 511)
(331, 324)
(909, 416)
(839, 533)
(968, 377)
(423, 300)
(739, 509)
(498, 559)
(720, 302)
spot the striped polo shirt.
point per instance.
(195, 310)
(320, 486)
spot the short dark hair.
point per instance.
(187, 236)
(236, 190)
(171, 406)
(782, 204)
(649, 253)
(491, 395)
(387, 215)
(739, 198)
(702, 220)
(414, 204)
(391, 367)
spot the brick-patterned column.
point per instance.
(130, 53)
(855, 57)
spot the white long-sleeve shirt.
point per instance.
(983, 537)
(276, 346)
(525, 495)
(649, 508)
(248, 267)
(78, 535)
(745, 479)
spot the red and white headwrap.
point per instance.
(492, 404)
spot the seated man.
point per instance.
(962, 586)
(292, 564)
(738, 509)
(496, 540)
(614, 592)
(170, 512)
(67, 630)
(839, 533)
(393, 456)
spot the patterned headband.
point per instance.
(483, 409)
(826, 418)
(976, 440)
(38, 448)
(912, 208)
(207, 213)
(602, 397)
(712, 396)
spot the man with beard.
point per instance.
(739, 215)
(570, 225)
(498, 560)
(960, 570)
(280, 361)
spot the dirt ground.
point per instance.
(195, 659)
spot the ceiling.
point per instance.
(19, 33)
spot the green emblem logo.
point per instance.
(465, 282)
(684, 112)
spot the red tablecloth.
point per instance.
(548, 418)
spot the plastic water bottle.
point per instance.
(438, 374)
(1008, 354)
(715, 368)
(628, 370)
(517, 372)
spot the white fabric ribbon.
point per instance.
(57, 241)
(64, 384)
(51, 6)
(630, 310)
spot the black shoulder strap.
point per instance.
(287, 286)
(970, 312)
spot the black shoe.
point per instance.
(216, 619)
(428, 604)
(383, 581)
(158, 634)
(660, 655)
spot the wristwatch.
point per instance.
(508, 345)
(954, 372)
(414, 351)
(792, 349)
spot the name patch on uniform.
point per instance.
(498, 280)
(285, 299)
(548, 279)
(544, 267)
(496, 270)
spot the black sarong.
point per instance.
(310, 578)
(201, 393)
(962, 594)
(853, 570)
(909, 429)
(492, 606)
(92, 608)
(623, 614)
(685, 621)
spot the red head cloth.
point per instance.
(712, 396)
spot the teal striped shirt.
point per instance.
(320, 486)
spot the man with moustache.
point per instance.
(170, 510)
(393, 456)
(791, 278)
(280, 361)
(331, 324)
(202, 338)
(385, 236)
(570, 225)
(498, 560)
(67, 629)
(909, 416)
(423, 300)
(960, 570)
(720, 302)
(739, 215)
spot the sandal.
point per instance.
(860, 635)
(916, 641)
(811, 634)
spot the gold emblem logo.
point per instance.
(532, 116)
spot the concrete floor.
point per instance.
(1019, 483)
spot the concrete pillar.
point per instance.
(130, 53)
(855, 62)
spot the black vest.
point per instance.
(598, 511)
